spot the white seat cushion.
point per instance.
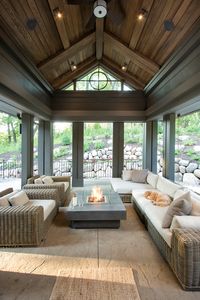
(48, 205)
(156, 215)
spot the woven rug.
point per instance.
(95, 284)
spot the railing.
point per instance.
(10, 168)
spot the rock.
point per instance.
(90, 156)
(127, 148)
(108, 172)
(94, 153)
(161, 162)
(176, 168)
(100, 174)
(126, 157)
(86, 155)
(129, 166)
(104, 156)
(99, 153)
(197, 173)
(138, 153)
(196, 148)
(182, 169)
(177, 160)
(184, 162)
(191, 167)
(178, 177)
(103, 151)
(97, 167)
(190, 179)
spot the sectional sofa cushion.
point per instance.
(47, 180)
(38, 181)
(20, 198)
(4, 201)
(48, 206)
(141, 201)
(127, 175)
(66, 184)
(179, 207)
(185, 222)
(152, 179)
(126, 187)
(167, 187)
(139, 176)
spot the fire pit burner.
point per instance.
(96, 196)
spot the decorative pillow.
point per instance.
(47, 180)
(4, 201)
(139, 175)
(152, 179)
(195, 204)
(127, 175)
(179, 207)
(38, 181)
(19, 199)
(185, 222)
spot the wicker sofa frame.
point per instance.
(25, 225)
(64, 196)
(184, 254)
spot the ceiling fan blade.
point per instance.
(79, 2)
(116, 13)
(89, 25)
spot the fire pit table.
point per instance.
(85, 214)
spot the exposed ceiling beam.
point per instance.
(139, 25)
(99, 37)
(138, 59)
(68, 77)
(66, 54)
(60, 23)
(114, 68)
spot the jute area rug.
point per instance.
(95, 284)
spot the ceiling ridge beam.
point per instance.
(99, 37)
(129, 78)
(67, 53)
(68, 77)
(138, 59)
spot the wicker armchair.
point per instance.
(25, 225)
(64, 195)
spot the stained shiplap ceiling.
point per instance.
(53, 44)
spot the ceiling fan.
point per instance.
(101, 9)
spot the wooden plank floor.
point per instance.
(30, 273)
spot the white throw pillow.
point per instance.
(152, 179)
(19, 199)
(38, 181)
(185, 222)
(127, 175)
(47, 180)
(4, 201)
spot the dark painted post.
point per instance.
(77, 154)
(169, 146)
(150, 146)
(41, 148)
(118, 149)
(27, 147)
(48, 157)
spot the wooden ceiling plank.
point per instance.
(139, 25)
(66, 54)
(140, 60)
(68, 77)
(60, 24)
(99, 37)
(113, 67)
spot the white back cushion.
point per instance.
(20, 198)
(38, 181)
(152, 179)
(166, 186)
(47, 180)
(4, 201)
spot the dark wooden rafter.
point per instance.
(99, 37)
(138, 59)
(66, 54)
(127, 77)
(68, 77)
(139, 26)
(60, 24)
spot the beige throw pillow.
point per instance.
(127, 175)
(179, 207)
(4, 201)
(38, 181)
(19, 199)
(47, 180)
(139, 176)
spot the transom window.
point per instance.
(98, 80)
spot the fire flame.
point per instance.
(97, 194)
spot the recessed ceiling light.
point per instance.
(124, 67)
(142, 14)
(73, 66)
(57, 13)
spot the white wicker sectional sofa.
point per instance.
(179, 244)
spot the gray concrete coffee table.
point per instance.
(98, 215)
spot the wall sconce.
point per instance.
(142, 14)
(57, 13)
(124, 67)
(73, 66)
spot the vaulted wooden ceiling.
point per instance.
(54, 44)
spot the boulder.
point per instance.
(182, 169)
(191, 167)
(178, 177)
(94, 153)
(177, 160)
(190, 179)
(184, 162)
(197, 173)
(176, 168)
(86, 155)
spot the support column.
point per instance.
(27, 147)
(150, 146)
(118, 149)
(77, 154)
(45, 148)
(169, 146)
